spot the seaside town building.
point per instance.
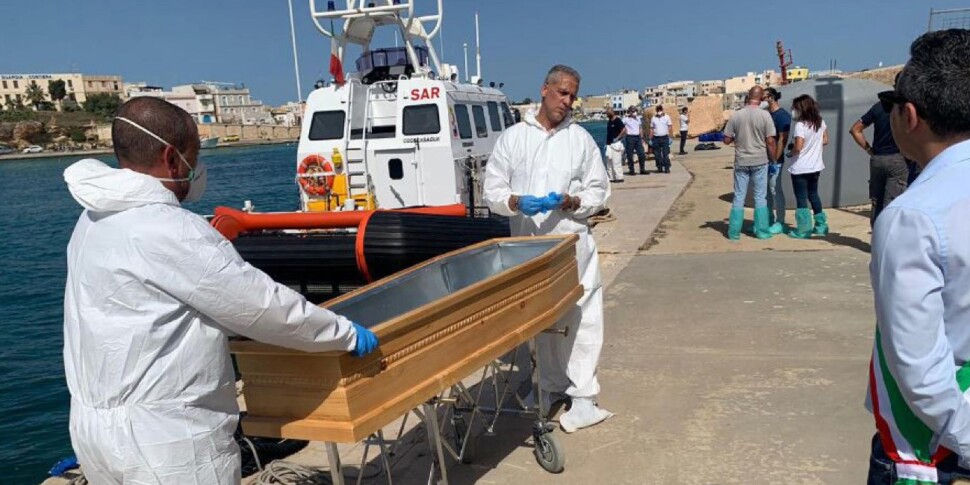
(625, 99)
(707, 88)
(79, 87)
(211, 102)
(797, 73)
(598, 103)
(290, 114)
(741, 84)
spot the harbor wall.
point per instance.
(246, 133)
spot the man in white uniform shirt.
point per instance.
(633, 141)
(660, 139)
(684, 120)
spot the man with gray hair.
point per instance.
(547, 175)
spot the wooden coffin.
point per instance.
(437, 322)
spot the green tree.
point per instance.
(78, 135)
(34, 94)
(527, 101)
(57, 89)
(15, 103)
(103, 104)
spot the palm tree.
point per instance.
(34, 94)
(58, 91)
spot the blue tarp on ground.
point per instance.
(713, 136)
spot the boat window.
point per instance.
(493, 116)
(464, 124)
(507, 115)
(421, 120)
(327, 125)
(480, 127)
(395, 169)
(383, 131)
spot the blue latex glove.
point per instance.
(773, 168)
(551, 202)
(530, 205)
(63, 466)
(366, 341)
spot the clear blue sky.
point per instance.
(613, 43)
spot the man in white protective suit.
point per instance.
(547, 175)
(152, 292)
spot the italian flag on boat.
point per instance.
(336, 67)
(911, 444)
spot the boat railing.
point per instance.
(352, 12)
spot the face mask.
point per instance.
(794, 113)
(197, 176)
(763, 105)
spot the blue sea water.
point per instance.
(37, 217)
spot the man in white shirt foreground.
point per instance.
(547, 175)
(920, 368)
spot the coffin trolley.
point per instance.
(438, 322)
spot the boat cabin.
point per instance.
(401, 131)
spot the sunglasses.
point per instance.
(889, 99)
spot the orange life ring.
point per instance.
(315, 185)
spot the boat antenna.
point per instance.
(465, 45)
(296, 62)
(478, 51)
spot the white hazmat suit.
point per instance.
(529, 160)
(152, 292)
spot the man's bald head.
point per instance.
(135, 148)
(755, 94)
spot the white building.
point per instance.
(290, 114)
(196, 105)
(707, 88)
(226, 103)
(679, 89)
(625, 99)
(741, 84)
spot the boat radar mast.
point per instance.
(362, 17)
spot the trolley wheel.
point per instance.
(549, 453)
(461, 431)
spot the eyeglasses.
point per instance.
(889, 99)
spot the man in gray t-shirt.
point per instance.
(753, 133)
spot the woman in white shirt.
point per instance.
(809, 135)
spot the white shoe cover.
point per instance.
(583, 414)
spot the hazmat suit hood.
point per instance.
(101, 188)
(530, 119)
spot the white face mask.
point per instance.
(763, 105)
(198, 176)
(795, 113)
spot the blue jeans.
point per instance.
(883, 472)
(633, 143)
(776, 196)
(805, 186)
(661, 151)
(756, 176)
